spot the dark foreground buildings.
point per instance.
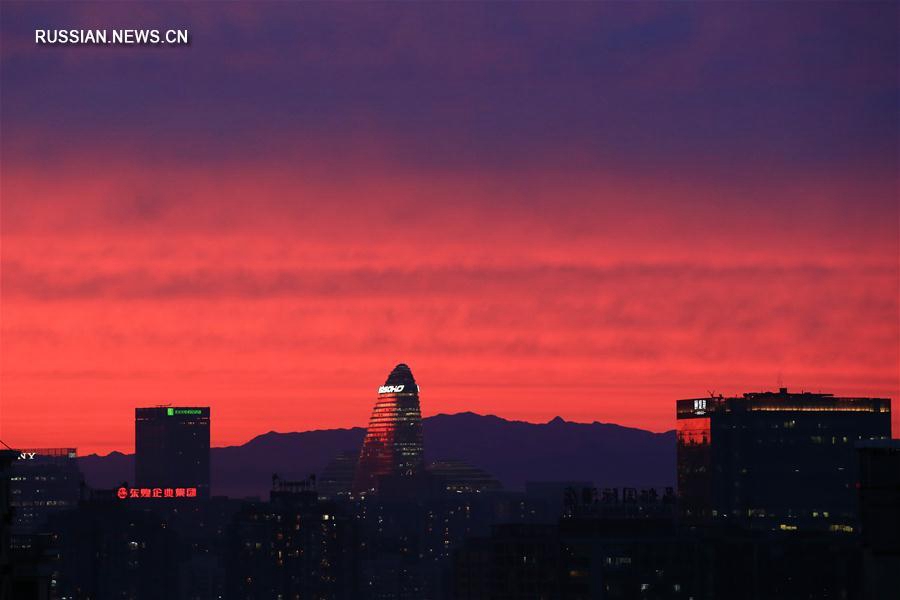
(40, 483)
(294, 546)
(879, 499)
(607, 544)
(171, 448)
(450, 531)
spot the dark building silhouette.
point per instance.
(6, 518)
(201, 527)
(519, 561)
(336, 479)
(458, 476)
(608, 544)
(393, 442)
(406, 540)
(746, 564)
(109, 548)
(879, 504)
(630, 556)
(25, 568)
(294, 546)
(39, 483)
(775, 460)
(171, 448)
(43, 481)
(555, 495)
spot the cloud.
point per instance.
(460, 86)
(590, 209)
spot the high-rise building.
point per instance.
(42, 481)
(393, 442)
(775, 460)
(171, 448)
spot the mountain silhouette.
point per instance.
(512, 451)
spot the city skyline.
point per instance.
(453, 530)
(383, 392)
(586, 210)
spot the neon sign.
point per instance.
(390, 389)
(124, 493)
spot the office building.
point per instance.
(879, 504)
(43, 481)
(393, 443)
(775, 460)
(171, 446)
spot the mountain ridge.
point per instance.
(512, 451)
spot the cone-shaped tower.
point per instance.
(393, 443)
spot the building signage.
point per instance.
(183, 411)
(44, 453)
(138, 493)
(390, 389)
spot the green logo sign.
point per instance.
(171, 412)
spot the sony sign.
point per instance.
(390, 389)
(27, 455)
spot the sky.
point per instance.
(583, 210)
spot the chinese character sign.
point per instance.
(124, 493)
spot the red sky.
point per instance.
(591, 235)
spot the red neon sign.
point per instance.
(124, 493)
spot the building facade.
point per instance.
(294, 546)
(775, 460)
(393, 443)
(171, 447)
(108, 548)
(879, 499)
(43, 481)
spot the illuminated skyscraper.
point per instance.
(393, 442)
(171, 447)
